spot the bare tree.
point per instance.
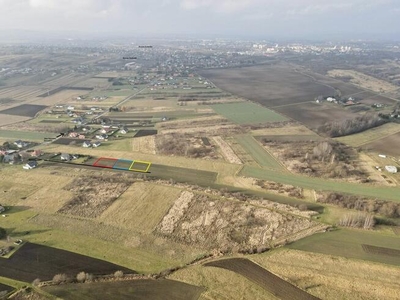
(119, 274)
(81, 277)
(60, 278)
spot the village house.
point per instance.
(86, 144)
(96, 144)
(30, 165)
(65, 157)
(124, 130)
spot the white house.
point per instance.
(96, 144)
(86, 144)
(30, 165)
(124, 130)
(391, 169)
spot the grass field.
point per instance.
(141, 207)
(25, 135)
(247, 113)
(368, 136)
(258, 152)
(331, 277)
(349, 243)
(135, 290)
(385, 193)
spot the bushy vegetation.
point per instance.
(3, 233)
(359, 220)
(351, 126)
(381, 207)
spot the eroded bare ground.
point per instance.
(326, 159)
(229, 225)
(94, 194)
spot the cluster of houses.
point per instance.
(347, 101)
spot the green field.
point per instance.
(370, 135)
(25, 135)
(110, 93)
(247, 113)
(348, 243)
(384, 193)
(258, 153)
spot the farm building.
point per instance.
(65, 157)
(21, 144)
(123, 130)
(391, 169)
(30, 165)
(2, 209)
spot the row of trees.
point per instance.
(80, 277)
(351, 126)
(381, 207)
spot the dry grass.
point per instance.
(221, 284)
(364, 81)
(93, 195)
(9, 119)
(227, 151)
(330, 277)
(145, 144)
(141, 207)
(59, 97)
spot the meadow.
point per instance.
(247, 113)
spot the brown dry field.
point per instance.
(9, 119)
(270, 85)
(331, 277)
(389, 145)
(94, 83)
(313, 114)
(364, 81)
(227, 151)
(110, 101)
(60, 97)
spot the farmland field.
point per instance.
(247, 113)
(24, 110)
(270, 282)
(313, 114)
(349, 243)
(289, 138)
(270, 85)
(381, 250)
(25, 135)
(6, 288)
(387, 145)
(36, 261)
(145, 132)
(258, 152)
(332, 277)
(141, 207)
(9, 119)
(386, 193)
(130, 290)
(370, 136)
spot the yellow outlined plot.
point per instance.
(140, 166)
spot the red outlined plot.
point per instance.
(140, 166)
(104, 162)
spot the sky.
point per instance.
(309, 19)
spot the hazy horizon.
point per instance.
(274, 19)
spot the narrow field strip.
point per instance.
(263, 158)
(385, 193)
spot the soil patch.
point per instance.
(24, 110)
(130, 290)
(33, 261)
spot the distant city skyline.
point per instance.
(286, 19)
